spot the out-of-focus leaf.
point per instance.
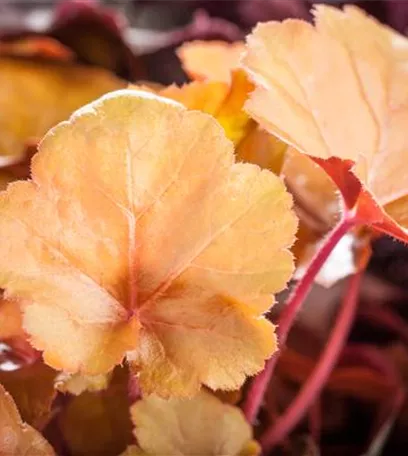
(36, 47)
(222, 100)
(202, 425)
(315, 194)
(134, 450)
(96, 423)
(96, 34)
(77, 384)
(36, 95)
(206, 27)
(16, 437)
(10, 318)
(210, 60)
(32, 388)
(161, 62)
(262, 149)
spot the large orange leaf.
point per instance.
(210, 60)
(200, 426)
(339, 90)
(16, 437)
(138, 233)
(33, 97)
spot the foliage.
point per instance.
(147, 232)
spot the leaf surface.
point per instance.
(339, 90)
(77, 384)
(223, 100)
(210, 60)
(33, 97)
(202, 425)
(151, 240)
(10, 318)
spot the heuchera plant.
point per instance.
(139, 260)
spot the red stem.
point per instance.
(259, 384)
(315, 383)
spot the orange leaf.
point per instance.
(33, 97)
(139, 233)
(32, 388)
(16, 437)
(315, 195)
(262, 149)
(222, 100)
(10, 319)
(98, 423)
(77, 384)
(36, 46)
(210, 60)
(202, 425)
(338, 90)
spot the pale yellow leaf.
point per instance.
(200, 426)
(337, 89)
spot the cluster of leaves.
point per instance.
(146, 234)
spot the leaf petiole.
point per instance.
(260, 383)
(327, 361)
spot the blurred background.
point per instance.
(152, 29)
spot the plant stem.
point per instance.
(315, 383)
(258, 386)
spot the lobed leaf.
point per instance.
(201, 425)
(139, 236)
(338, 90)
